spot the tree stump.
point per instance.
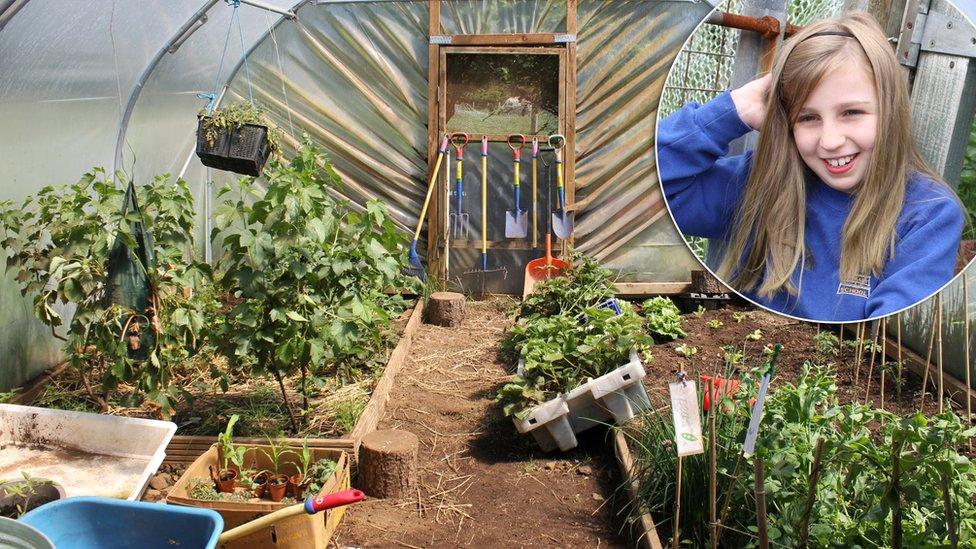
(388, 463)
(446, 309)
(703, 282)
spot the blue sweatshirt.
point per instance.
(703, 188)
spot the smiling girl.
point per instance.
(834, 216)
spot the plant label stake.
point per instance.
(687, 419)
(749, 446)
(458, 220)
(516, 221)
(562, 224)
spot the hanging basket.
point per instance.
(243, 150)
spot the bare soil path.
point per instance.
(480, 483)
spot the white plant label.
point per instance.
(749, 446)
(687, 419)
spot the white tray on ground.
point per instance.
(88, 454)
(613, 397)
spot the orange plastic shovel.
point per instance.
(544, 268)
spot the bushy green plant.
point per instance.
(319, 474)
(310, 273)
(561, 351)
(585, 285)
(663, 318)
(58, 244)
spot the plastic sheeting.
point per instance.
(353, 75)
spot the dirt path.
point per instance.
(480, 483)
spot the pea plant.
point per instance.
(310, 274)
(59, 244)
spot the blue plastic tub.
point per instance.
(104, 523)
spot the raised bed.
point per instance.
(298, 531)
(186, 448)
(643, 529)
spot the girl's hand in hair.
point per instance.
(750, 101)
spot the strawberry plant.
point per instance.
(310, 274)
(585, 285)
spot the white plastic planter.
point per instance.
(613, 397)
(87, 454)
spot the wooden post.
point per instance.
(435, 267)
(446, 309)
(900, 382)
(874, 344)
(388, 463)
(860, 352)
(569, 157)
(928, 356)
(712, 480)
(761, 504)
(675, 534)
(840, 348)
(811, 495)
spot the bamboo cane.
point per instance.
(712, 490)
(675, 536)
(728, 493)
(899, 382)
(761, 504)
(928, 357)
(884, 356)
(965, 314)
(860, 351)
(874, 346)
(938, 328)
(840, 348)
(811, 495)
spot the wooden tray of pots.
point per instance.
(245, 500)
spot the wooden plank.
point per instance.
(647, 537)
(381, 393)
(30, 391)
(651, 288)
(569, 81)
(501, 50)
(494, 245)
(519, 39)
(433, 137)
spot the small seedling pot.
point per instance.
(277, 486)
(296, 485)
(260, 484)
(17, 496)
(225, 479)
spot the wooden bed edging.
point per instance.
(647, 537)
(183, 449)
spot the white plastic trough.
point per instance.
(87, 454)
(616, 396)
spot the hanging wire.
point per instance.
(118, 80)
(212, 96)
(240, 31)
(281, 73)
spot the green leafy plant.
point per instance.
(231, 453)
(699, 311)
(61, 240)
(733, 355)
(560, 352)
(320, 472)
(686, 351)
(826, 346)
(715, 324)
(235, 116)
(310, 274)
(274, 453)
(24, 490)
(663, 318)
(738, 317)
(585, 285)
(202, 489)
(754, 335)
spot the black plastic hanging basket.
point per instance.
(243, 150)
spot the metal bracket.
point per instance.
(931, 31)
(440, 39)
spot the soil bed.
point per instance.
(480, 484)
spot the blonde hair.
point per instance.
(767, 240)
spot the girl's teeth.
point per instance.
(838, 162)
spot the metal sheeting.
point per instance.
(502, 16)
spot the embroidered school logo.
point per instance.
(859, 286)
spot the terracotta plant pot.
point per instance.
(277, 487)
(296, 485)
(225, 479)
(260, 484)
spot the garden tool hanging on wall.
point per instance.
(484, 270)
(516, 221)
(535, 193)
(458, 220)
(544, 268)
(417, 267)
(562, 224)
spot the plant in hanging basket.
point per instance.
(236, 138)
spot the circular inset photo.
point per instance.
(819, 168)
